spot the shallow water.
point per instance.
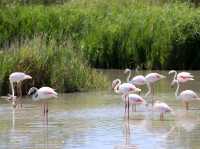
(95, 120)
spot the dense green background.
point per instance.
(114, 34)
(73, 36)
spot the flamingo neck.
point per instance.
(116, 89)
(12, 88)
(175, 74)
(35, 95)
(149, 89)
(129, 75)
(177, 89)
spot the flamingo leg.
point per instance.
(12, 88)
(152, 101)
(44, 109)
(128, 107)
(20, 93)
(125, 106)
(41, 105)
(187, 106)
(135, 107)
(161, 116)
(14, 104)
(46, 112)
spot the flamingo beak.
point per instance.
(138, 90)
(28, 77)
(162, 76)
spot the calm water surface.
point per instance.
(95, 120)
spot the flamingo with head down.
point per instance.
(162, 108)
(151, 78)
(17, 77)
(124, 89)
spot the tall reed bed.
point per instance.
(58, 66)
(114, 34)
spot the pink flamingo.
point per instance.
(43, 94)
(135, 99)
(137, 80)
(17, 77)
(162, 108)
(150, 79)
(186, 96)
(182, 77)
(124, 89)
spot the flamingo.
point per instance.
(43, 94)
(124, 89)
(135, 99)
(137, 80)
(186, 96)
(182, 77)
(150, 79)
(17, 77)
(162, 108)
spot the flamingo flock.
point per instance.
(129, 91)
(129, 87)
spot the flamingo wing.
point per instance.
(126, 88)
(135, 99)
(138, 80)
(153, 77)
(162, 107)
(184, 77)
(188, 95)
(47, 92)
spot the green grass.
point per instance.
(50, 65)
(114, 34)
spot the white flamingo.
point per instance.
(17, 77)
(162, 108)
(151, 78)
(43, 94)
(182, 77)
(124, 89)
(186, 96)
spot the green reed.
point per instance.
(114, 34)
(50, 65)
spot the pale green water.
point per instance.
(95, 120)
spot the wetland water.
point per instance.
(95, 120)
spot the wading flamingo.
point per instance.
(17, 77)
(124, 89)
(186, 96)
(135, 100)
(137, 80)
(43, 94)
(162, 108)
(150, 79)
(182, 77)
